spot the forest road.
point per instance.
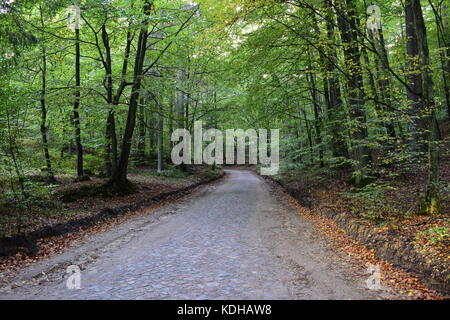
(236, 239)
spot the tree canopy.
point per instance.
(350, 84)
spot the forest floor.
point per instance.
(386, 212)
(236, 239)
(72, 202)
(68, 200)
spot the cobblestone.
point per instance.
(234, 240)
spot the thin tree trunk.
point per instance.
(333, 90)
(442, 18)
(140, 156)
(316, 109)
(422, 101)
(160, 139)
(110, 159)
(384, 83)
(308, 131)
(181, 100)
(413, 15)
(76, 106)
(17, 166)
(431, 204)
(49, 170)
(446, 31)
(171, 115)
(181, 106)
(348, 24)
(151, 125)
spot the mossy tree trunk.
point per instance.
(422, 101)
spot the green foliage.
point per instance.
(37, 195)
(360, 180)
(435, 235)
(171, 173)
(371, 201)
(41, 195)
(246, 64)
(213, 171)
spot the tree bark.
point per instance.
(140, 156)
(422, 101)
(348, 24)
(384, 83)
(171, 115)
(333, 90)
(316, 109)
(119, 179)
(113, 99)
(442, 17)
(160, 138)
(308, 131)
(76, 107)
(431, 204)
(49, 170)
(181, 106)
(414, 50)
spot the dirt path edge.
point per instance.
(391, 246)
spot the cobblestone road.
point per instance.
(237, 239)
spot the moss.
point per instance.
(117, 188)
(430, 207)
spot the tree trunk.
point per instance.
(445, 8)
(442, 17)
(422, 101)
(308, 131)
(348, 24)
(181, 106)
(113, 100)
(431, 204)
(140, 156)
(316, 109)
(49, 170)
(119, 180)
(151, 139)
(181, 100)
(160, 139)
(171, 115)
(414, 75)
(384, 83)
(333, 91)
(110, 134)
(76, 106)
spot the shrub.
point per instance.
(171, 173)
(435, 235)
(371, 202)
